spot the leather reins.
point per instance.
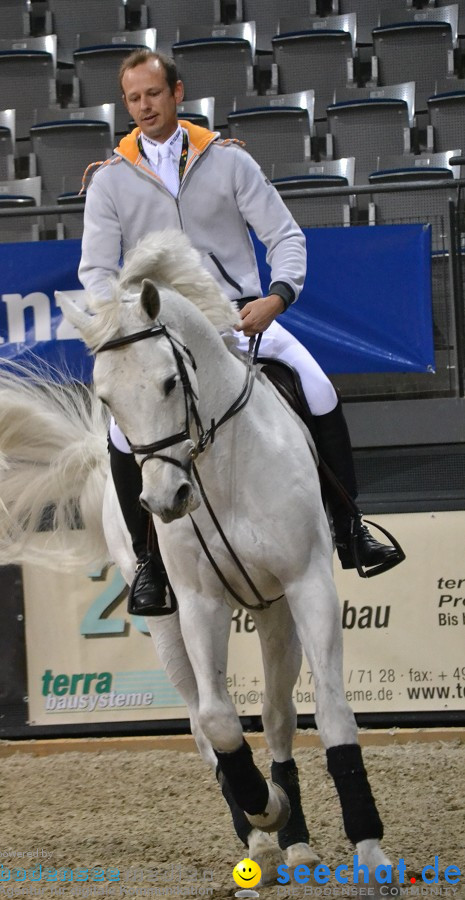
(204, 437)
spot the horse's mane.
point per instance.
(169, 260)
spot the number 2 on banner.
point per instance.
(93, 622)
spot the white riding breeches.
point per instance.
(276, 343)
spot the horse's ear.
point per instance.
(150, 299)
(81, 320)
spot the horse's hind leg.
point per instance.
(282, 660)
(315, 608)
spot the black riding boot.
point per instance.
(148, 592)
(332, 442)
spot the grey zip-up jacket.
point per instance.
(222, 191)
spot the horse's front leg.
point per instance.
(282, 660)
(205, 625)
(315, 607)
(171, 651)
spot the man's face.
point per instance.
(149, 100)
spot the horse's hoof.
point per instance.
(300, 855)
(266, 853)
(276, 812)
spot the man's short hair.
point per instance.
(139, 57)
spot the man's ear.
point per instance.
(179, 92)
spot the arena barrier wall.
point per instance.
(90, 663)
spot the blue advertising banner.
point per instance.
(30, 320)
(366, 305)
(367, 300)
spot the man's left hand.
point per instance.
(257, 315)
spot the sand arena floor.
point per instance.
(162, 811)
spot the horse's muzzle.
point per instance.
(184, 501)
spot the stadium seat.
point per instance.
(446, 113)
(40, 17)
(223, 62)
(168, 15)
(318, 58)
(407, 207)
(297, 182)
(274, 128)
(7, 144)
(365, 129)
(14, 19)
(71, 17)
(266, 15)
(19, 194)
(101, 114)
(416, 51)
(66, 147)
(367, 12)
(200, 112)
(97, 67)
(70, 224)
(404, 91)
(424, 161)
(46, 44)
(449, 13)
(461, 13)
(27, 80)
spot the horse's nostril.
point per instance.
(183, 493)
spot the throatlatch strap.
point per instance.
(361, 818)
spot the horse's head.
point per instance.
(147, 380)
(149, 384)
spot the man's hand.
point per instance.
(259, 314)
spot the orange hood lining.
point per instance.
(199, 139)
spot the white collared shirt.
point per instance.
(152, 153)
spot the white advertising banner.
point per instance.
(404, 638)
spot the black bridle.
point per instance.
(204, 437)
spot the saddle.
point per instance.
(287, 381)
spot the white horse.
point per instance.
(163, 370)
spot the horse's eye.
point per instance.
(169, 385)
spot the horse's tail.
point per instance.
(53, 468)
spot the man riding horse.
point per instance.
(172, 174)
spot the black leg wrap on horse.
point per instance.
(247, 784)
(361, 818)
(242, 826)
(286, 774)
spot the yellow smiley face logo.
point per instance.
(247, 873)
